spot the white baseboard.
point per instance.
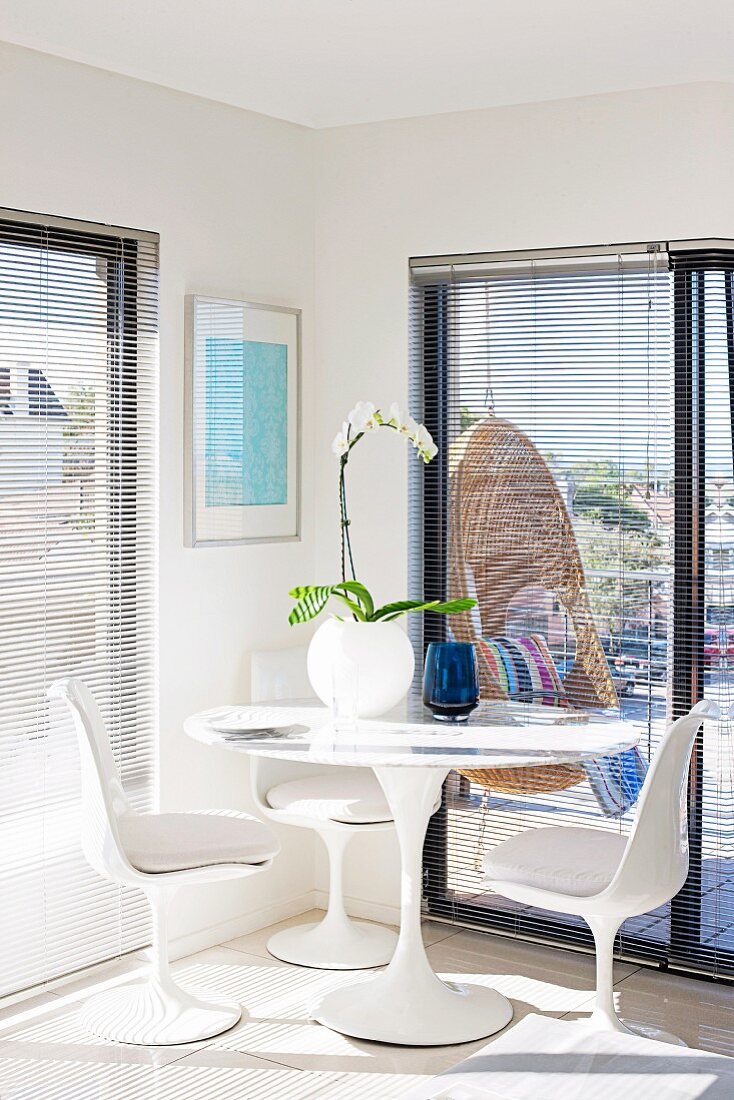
(360, 907)
(200, 940)
(215, 934)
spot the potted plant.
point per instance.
(368, 638)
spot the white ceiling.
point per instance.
(335, 62)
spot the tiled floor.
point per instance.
(277, 1053)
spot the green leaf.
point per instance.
(313, 598)
(353, 607)
(361, 592)
(402, 607)
(451, 607)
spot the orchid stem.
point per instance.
(346, 539)
(346, 543)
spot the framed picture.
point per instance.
(242, 422)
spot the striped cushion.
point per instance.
(522, 665)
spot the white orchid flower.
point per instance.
(406, 425)
(420, 437)
(402, 421)
(363, 417)
(395, 416)
(340, 446)
(422, 440)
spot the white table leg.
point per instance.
(407, 1003)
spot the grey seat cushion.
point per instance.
(354, 797)
(565, 860)
(156, 843)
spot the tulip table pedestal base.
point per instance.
(407, 1003)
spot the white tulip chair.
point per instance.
(155, 853)
(336, 803)
(604, 877)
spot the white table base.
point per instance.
(407, 1003)
(412, 1010)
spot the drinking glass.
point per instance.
(345, 694)
(451, 680)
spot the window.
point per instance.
(78, 382)
(581, 401)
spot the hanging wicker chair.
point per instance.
(509, 530)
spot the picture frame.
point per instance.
(243, 422)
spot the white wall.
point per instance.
(231, 195)
(631, 167)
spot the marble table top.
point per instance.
(497, 735)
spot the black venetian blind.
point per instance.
(78, 425)
(615, 368)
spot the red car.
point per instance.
(711, 647)
(718, 642)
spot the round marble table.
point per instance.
(411, 755)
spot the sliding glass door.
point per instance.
(77, 572)
(582, 407)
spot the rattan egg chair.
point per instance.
(510, 530)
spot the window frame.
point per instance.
(688, 261)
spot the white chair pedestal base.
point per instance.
(157, 1012)
(604, 1017)
(336, 942)
(602, 1022)
(647, 1031)
(352, 945)
(155, 1015)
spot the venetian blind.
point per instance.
(577, 475)
(78, 399)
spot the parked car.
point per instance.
(622, 678)
(711, 647)
(645, 660)
(718, 642)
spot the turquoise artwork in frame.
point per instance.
(243, 419)
(246, 452)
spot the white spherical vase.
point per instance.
(383, 657)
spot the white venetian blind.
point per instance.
(78, 399)
(593, 385)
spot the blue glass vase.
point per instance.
(451, 681)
